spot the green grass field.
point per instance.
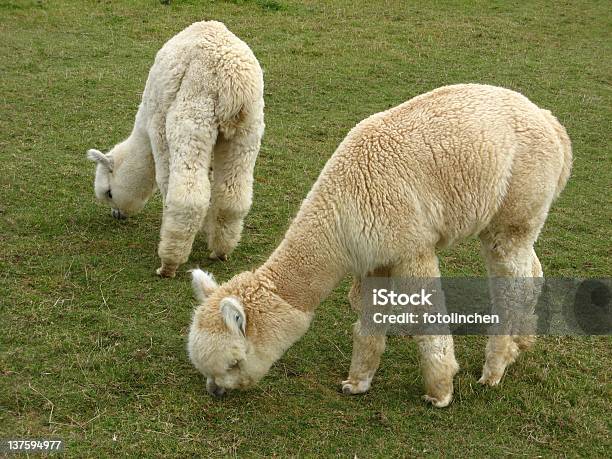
(92, 344)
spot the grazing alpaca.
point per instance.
(202, 107)
(459, 161)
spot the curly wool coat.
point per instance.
(204, 95)
(459, 161)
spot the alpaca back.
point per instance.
(206, 60)
(437, 169)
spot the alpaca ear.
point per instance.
(203, 284)
(99, 157)
(233, 315)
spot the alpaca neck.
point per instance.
(309, 263)
(134, 163)
(136, 148)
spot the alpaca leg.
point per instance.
(367, 351)
(156, 131)
(524, 342)
(184, 211)
(159, 147)
(191, 137)
(515, 286)
(437, 353)
(439, 367)
(501, 351)
(232, 188)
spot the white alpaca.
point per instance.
(459, 161)
(204, 94)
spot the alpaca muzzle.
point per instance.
(213, 389)
(117, 214)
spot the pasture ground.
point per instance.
(92, 344)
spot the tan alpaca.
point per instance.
(456, 162)
(204, 94)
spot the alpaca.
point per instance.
(459, 161)
(202, 108)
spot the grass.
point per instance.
(92, 348)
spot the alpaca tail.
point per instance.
(566, 148)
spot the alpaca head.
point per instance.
(120, 182)
(239, 330)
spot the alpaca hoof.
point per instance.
(213, 256)
(439, 402)
(166, 271)
(351, 388)
(490, 378)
